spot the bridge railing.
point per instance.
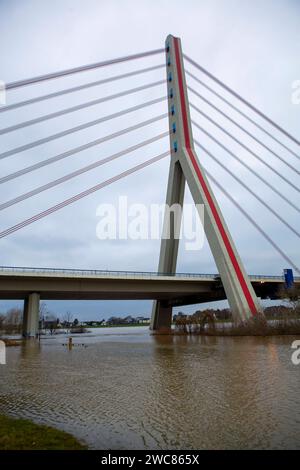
(99, 272)
(107, 273)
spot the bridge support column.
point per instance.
(31, 315)
(161, 318)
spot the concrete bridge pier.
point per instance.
(161, 318)
(31, 315)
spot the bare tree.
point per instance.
(13, 319)
(52, 326)
(43, 310)
(291, 296)
(67, 320)
(2, 321)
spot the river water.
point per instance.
(120, 388)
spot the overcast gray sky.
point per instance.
(253, 46)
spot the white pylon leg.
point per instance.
(240, 294)
(162, 316)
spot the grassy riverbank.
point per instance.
(22, 434)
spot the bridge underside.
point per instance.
(169, 291)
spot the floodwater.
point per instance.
(120, 388)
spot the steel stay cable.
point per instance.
(282, 196)
(77, 88)
(78, 149)
(83, 68)
(244, 130)
(73, 109)
(243, 100)
(246, 148)
(80, 127)
(242, 114)
(80, 171)
(248, 189)
(263, 233)
(81, 195)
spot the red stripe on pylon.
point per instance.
(205, 188)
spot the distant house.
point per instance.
(49, 321)
(115, 321)
(129, 319)
(142, 320)
(91, 323)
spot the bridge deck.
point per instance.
(72, 284)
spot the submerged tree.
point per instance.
(291, 296)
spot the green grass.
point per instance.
(22, 434)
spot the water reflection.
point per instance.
(126, 389)
(29, 350)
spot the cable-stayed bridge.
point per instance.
(252, 133)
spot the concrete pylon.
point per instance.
(186, 166)
(31, 315)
